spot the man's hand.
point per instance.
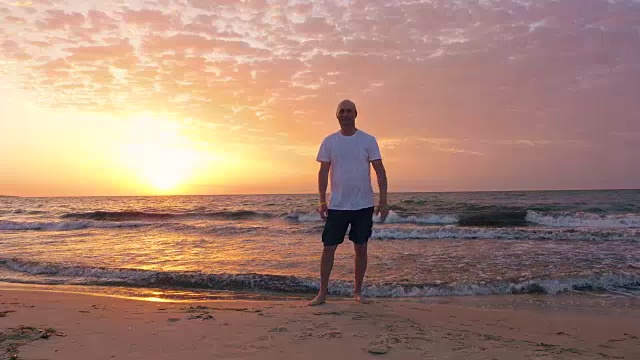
(323, 211)
(383, 211)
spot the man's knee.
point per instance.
(361, 249)
(330, 249)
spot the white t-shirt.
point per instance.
(350, 158)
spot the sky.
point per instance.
(227, 97)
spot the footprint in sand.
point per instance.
(378, 349)
(328, 312)
(331, 335)
(278, 329)
(4, 313)
(304, 335)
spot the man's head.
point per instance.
(346, 113)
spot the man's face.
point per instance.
(346, 114)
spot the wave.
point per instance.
(303, 217)
(455, 232)
(393, 218)
(50, 273)
(23, 211)
(64, 225)
(583, 219)
(141, 215)
(493, 221)
(427, 219)
(502, 219)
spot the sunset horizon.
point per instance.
(273, 179)
(315, 193)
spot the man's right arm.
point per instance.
(323, 183)
(323, 180)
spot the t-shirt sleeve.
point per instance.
(324, 153)
(373, 150)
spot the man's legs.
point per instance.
(333, 235)
(361, 268)
(361, 229)
(326, 264)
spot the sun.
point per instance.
(159, 156)
(166, 168)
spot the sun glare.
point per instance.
(167, 168)
(160, 156)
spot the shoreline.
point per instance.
(49, 324)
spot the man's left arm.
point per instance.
(381, 173)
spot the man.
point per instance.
(347, 154)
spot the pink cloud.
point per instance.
(49, 2)
(301, 8)
(156, 19)
(13, 50)
(211, 5)
(100, 53)
(101, 21)
(14, 20)
(242, 48)
(41, 44)
(314, 26)
(9, 46)
(54, 68)
(206, 24)
(60, 20)
(176, 43)
(377, 52)
(200, 45)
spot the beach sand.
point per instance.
(59, 325)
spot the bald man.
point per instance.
(347, 155)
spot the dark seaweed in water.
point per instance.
(118, 215)
(495, 219)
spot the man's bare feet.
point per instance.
(318, 300)
(360, 298)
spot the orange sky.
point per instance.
(210, 97)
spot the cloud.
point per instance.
(178, 43)
(628, 135)
(155, 19)
(531, 143)
(454, 150)
(60, 20)
(14, 20)
(455, 69)
(211, 5)
(112, 52)
(22, 3)
(101, 21)
(14, 51)
(314, 26)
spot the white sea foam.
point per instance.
(83, 275)
(522, 233)
(65, 225)
(581, 219)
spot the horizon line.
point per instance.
(328, 192)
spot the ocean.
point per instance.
(432, 244)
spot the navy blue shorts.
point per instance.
(335, 228)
